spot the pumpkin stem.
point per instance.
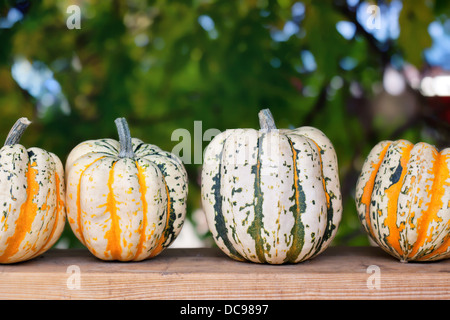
(126, 146)
(17, 131)
(266, 120)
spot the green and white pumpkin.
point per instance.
(271, 196)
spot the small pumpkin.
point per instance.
(31, 196)
(271, 196)
(126, 200)
(403, 200)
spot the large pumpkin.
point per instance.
(403, 199)
(31, 197)
(125, 200)
(271, 195)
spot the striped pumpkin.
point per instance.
(271, 196)
(125, 200)
(32, 198)
(403, 200)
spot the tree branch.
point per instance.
(384, 50)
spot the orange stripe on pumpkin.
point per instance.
(441, 175)
(113, 234)
(27, 214)
(323, 177)
(366, 197)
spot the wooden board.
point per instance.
(204, 274)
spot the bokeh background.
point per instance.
(359, 73)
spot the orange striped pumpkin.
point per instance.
(32, 198)
(125, 200)
(403, 200)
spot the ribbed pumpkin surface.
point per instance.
(125, 208)
(32, 202)
(271, 195)
(403, 199)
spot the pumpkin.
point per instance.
(126, 200)
(403, 200)
(271, 196)
(31, 196)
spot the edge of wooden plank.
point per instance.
(204, 274)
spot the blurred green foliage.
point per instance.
(165, 64)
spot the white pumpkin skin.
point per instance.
(32, 199)
(271, 196)
(403, 200)
(123, 208)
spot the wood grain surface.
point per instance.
(206, 273)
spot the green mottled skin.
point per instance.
(257, 225)
(299, 207)
(294, 205)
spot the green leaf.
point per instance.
(322, 38)
(414, 38)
